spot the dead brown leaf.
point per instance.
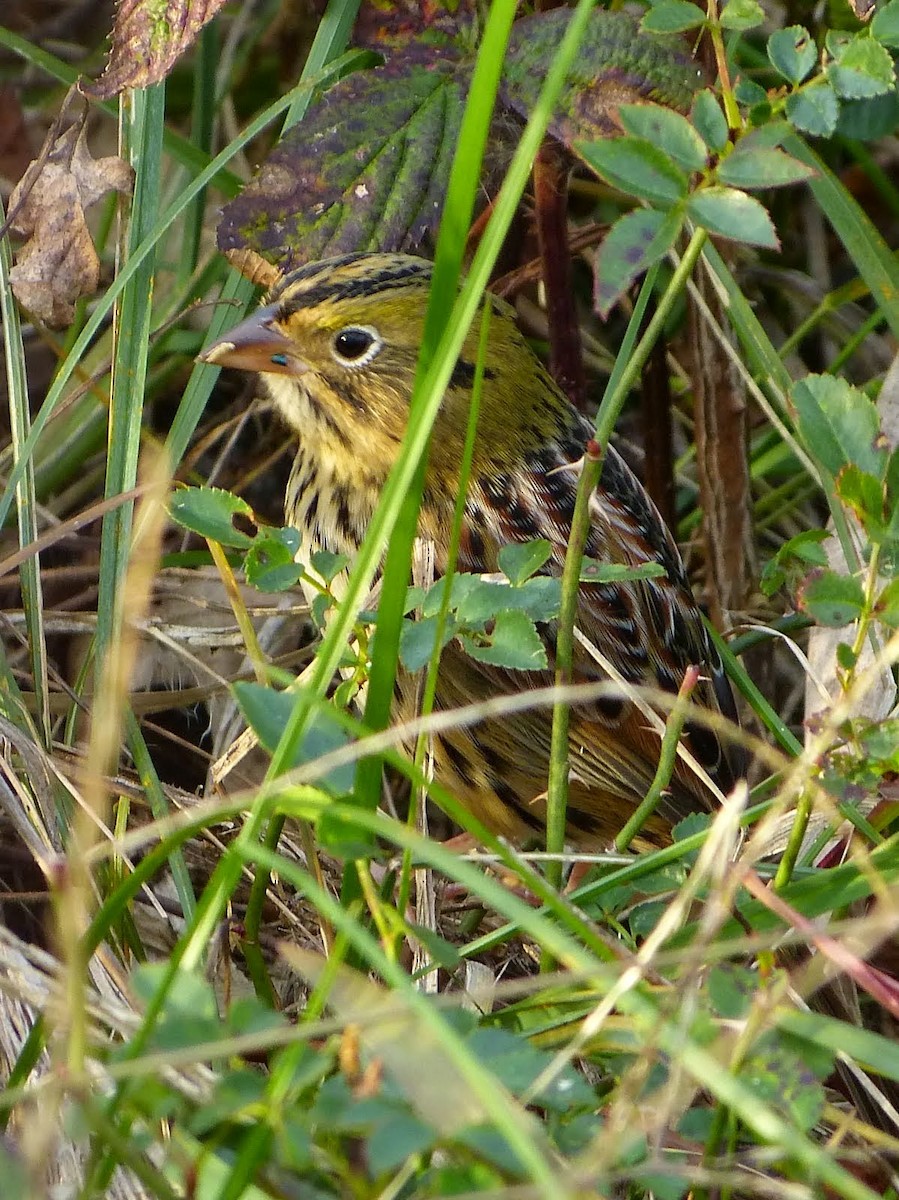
(863, 9)
(147, 42)
(58, 263)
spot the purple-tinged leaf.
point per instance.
(631, 246)
(839, 425)
(393, 24)
(366, 170)
(887, 606)
(617, 63)
(831, 599)
(147, 40)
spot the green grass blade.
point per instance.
(330, 40)
(872, 257)
(464, 182)
(130, 357)
(26, 504)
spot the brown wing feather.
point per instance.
(650, 631)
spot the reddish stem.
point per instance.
(551, 203)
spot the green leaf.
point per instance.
(865, 120)
(733, 214)
(441, 952)
(638, 168)
(710, 121)
(780, 1079)
(189, 992)
(236, 1093)
(319, 609)
(792, 52)
(814, 109)
(838, 1037)
(16, 1182)
(517, 1064)
(513, 643)
(847, 658)
(887, 606)
(831, 599)
(672, 16)
(794, 557)
(393, 1141)
(398, 1033)
(862, 492)
(645, 916)
(732, 990)
(742, 14)
(769, 135)
(268, 712)
(593, 571)
(519, 562)
(270, 564)
(885, 26)
(328, 565)
(211, 512)
(189, 1013)
(663, 127)
(538, 598)
(659, 1186)
(762, 167)
(839, 425)
(461, 586)
(417, 640)
(636, 241)
(864, 68)
(750, 93)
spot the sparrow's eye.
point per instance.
(356, 345)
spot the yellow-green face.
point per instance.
(356, 325)
(338, 343)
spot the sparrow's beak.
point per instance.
(256, 345)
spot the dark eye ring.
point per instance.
(356, 345)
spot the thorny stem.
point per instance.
(619, 386)
(727, 92)
(804, 804)
(566, 361)
(667, 758)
